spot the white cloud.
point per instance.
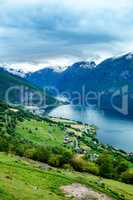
(51, 32)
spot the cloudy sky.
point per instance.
(38, 33)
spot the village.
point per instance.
(82, 138)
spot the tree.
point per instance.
(42, 153)
(127, 176)
(122, 166)
(105, 165)
(79, 164)
(66, 156)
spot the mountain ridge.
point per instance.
(16, 88)
(107, 77)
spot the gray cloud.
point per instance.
(38, 31)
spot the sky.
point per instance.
(39, 33)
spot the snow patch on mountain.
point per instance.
(129, 56)
(58, 69)
(16, 72)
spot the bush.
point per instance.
(66, 156)
(105, 163)
(79, 164)
(67, 166)
(55, 161)
(56, 150)
(92, 168)
(29, 153)
(122, 167)
(4, 144)
(127, 176)
(20, 149)
(42, 153)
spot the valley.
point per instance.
(54, 147)
(66, 100)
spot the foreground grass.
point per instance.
(20, 180)
(24, 180)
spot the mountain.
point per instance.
(49, 77)
(107, 77)
(109, 74)
(17, 72)
(17, 90)
(44, 77)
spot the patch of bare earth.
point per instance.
(80, 192)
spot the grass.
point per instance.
(23, 180)
(42, 133)
(20, 180)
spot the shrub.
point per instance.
(55, 160)
(20, 149)
(4, 144)
(127, 176)
(29, 153)
(66, 156)
(79, 164)
(92, 168)
(56, 150)
(105, 165)
(42, 153)
(67, 166)
(122, 167)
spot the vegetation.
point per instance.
(25, 179)
(24, 88)
(70, 146)
(127, 176)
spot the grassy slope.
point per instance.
(44, 134)
(20, 179)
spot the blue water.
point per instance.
(112, 130)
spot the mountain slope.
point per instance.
(44, 77)
(112, 72)
(16, 89)
(62, 80)
(25, 179)
(107, 77)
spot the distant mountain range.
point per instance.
(61, 79)
(107, 77)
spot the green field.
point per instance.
(25, 180)
(39, 132)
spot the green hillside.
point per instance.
(26, 180)
(8, 81)
(44, 154)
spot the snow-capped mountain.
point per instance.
(17, 72)
(54, 76)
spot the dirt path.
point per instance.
(80, 192)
